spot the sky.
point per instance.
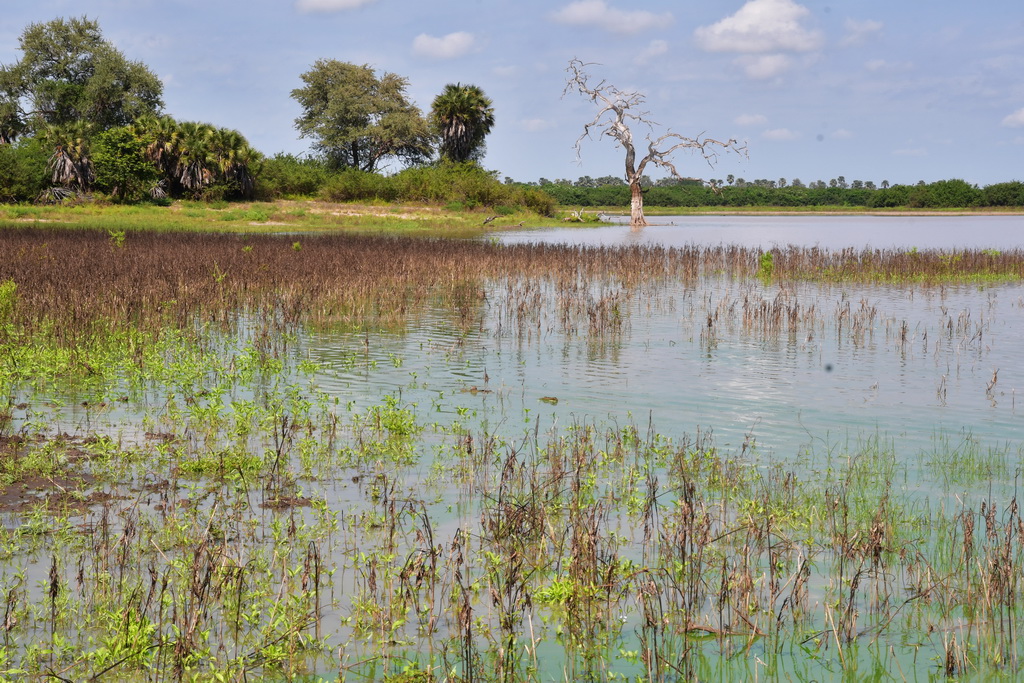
(898, 90)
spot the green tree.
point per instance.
(69, 74)
(953, 193)
(462, 116)
(1004, 194)
(23, 170)
(357, 120)
(121, 166)
(193, 168)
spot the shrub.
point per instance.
(355, 185)
(539, 202)
(286, 175)
(256, 215)
(23, 171)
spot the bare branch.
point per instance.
(618, 110)
(709, 148)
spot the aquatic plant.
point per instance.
(187, 502)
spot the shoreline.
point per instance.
(682, 211)
(305, 215)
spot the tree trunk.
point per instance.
(636, 206)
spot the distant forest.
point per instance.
(611, 191)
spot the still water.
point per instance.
(774, 372)
(829, 232)
(905, 362)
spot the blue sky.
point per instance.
(896, 90)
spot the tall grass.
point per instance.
(245, 523)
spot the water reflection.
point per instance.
(905, 362)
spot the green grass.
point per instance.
(282, 216)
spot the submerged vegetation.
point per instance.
(185, 500)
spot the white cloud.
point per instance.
(656, 48)
(842, 134)
(330, 5)
(859, 31)
(764, 66)
(780, 134)
(447, 47)
(1015, 120)
(598, 13)
(761, 26)
(750, 120)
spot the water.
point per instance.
(920, 369)
(924, 363)
(831, 232)
(913, 366)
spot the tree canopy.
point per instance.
(357, 120)
(462, 116)
(68, 74)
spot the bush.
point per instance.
(539, 202)
(945, 194)
(890, 197)
(352, 185)
(23, 171)
(456, 186)
(286, 175)
(446, 182)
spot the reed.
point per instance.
(247, 523)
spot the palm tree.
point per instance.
(233, 160)
(193, 158)
(462, 115)
(70, 163)
(162, 135)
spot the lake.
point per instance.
(827, 232)
(549, 474)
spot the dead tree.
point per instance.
(621, 109)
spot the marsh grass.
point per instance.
(217, 515)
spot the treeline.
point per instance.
(80, 121)
(943, 194)
(137, 168)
